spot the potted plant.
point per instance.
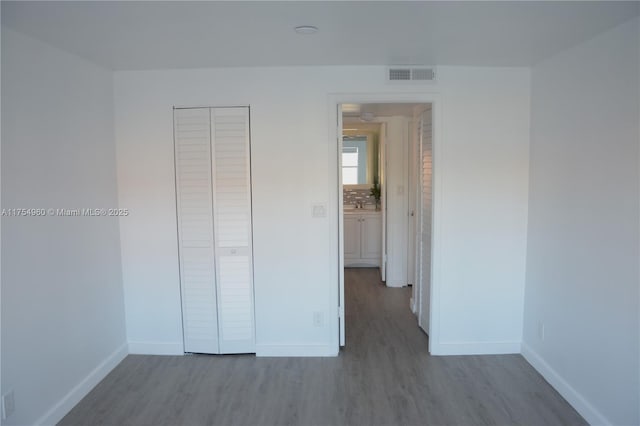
(375, 192)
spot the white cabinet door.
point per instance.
(362, 240)
(371, 240)
(351, 238)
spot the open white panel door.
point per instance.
(195, 230)
(232, 226)
(383, 198)
(426, 214)
(341, 318)
(412, 197)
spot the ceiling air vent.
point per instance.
(412, 74)
(399, 74)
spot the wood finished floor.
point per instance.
(383, 377)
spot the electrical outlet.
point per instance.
(318, 319)
(8, 404)
(541, 331)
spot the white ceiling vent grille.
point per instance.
(399, 74)
(421, 74)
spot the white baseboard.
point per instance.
(475, 348)
(79, 391)
(156, 348)
(320, 350)
(577, 401)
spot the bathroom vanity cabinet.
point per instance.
(362, 238)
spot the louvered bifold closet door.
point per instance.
(195, 229)
(232, 222)
(426, 175)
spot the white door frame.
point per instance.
(423, 317)
(335, 203)
(338, 158)
(382, 180)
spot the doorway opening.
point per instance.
(385, 191)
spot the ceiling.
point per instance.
(184, 34)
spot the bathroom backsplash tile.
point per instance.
(352, 196)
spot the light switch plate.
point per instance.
(318, 319)
(319, 210)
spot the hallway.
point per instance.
(383, 376)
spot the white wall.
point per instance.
(483, 185)
(582, 261)
(485, 118)
(62, 300)
(397, 200)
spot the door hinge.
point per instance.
(340, 311)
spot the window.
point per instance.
(354, 160)
(349, 165)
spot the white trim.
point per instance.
(475, 348)
(334, 205)
(156, 348)
(230, 105)
(437, 236)
(293, 350)
(573, 397)
(395, 284)
(339, 134)
(79, 391)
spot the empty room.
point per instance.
(320, 213)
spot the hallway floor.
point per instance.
(384, 376)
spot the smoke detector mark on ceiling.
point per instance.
(306, 29)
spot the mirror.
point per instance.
(360, 152)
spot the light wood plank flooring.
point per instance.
(383, 377)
